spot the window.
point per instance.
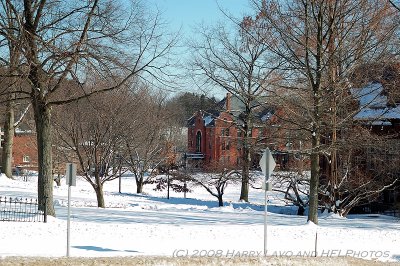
(225, 145)
(225, 132)
(1, 139)
(198, 142)
(26, 159)
(239, 145)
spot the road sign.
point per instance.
(267, 163)
(70, 174)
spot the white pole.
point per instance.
(68, 219)
(265, 220)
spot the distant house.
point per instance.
(378, 109)
(24, 155)
(380, 112)
(375, 162)
(215, 136)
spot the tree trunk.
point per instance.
(41, 111)
(300, 210)
(244, 192)
(139, 185)
(246, 160)
(220, 201)
(314, 181)
(8, 141)
(44, 143)
(167, 185)
(100, 196)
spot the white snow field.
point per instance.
(151, 225)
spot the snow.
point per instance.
(373, 104)
(149, 224)
(208, 119)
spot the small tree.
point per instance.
(91, 131)
(173, 179)
(143, 143)
(215, 179)
(294, 186)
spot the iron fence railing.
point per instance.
(22, 210)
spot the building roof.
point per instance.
(374, 105)
(236, 108)
(208, 117)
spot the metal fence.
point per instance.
(21, 210)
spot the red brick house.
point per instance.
(24, 156)
(214, 136)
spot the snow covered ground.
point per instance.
(150, 224)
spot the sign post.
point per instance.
(267, 164)
(71, 181)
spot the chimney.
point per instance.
(228, 102)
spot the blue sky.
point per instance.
(189, 13)
(185, 15)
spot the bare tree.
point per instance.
(64, 40)
(145, 140)
(92, 132)
(320, 43)
(240, 65)
(11, 59)
(215, 179)
(294, 186)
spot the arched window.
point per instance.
(198, 142)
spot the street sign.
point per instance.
(267, 163)
(70, 174)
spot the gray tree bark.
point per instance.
(8, 140)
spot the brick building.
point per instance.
(24, 155)
(214, 136)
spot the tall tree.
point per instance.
(320, 43)
(184, 105)
(63, 40)
(241, 65)
(11, 38)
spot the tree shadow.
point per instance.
(210, 204)
(100, 249)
